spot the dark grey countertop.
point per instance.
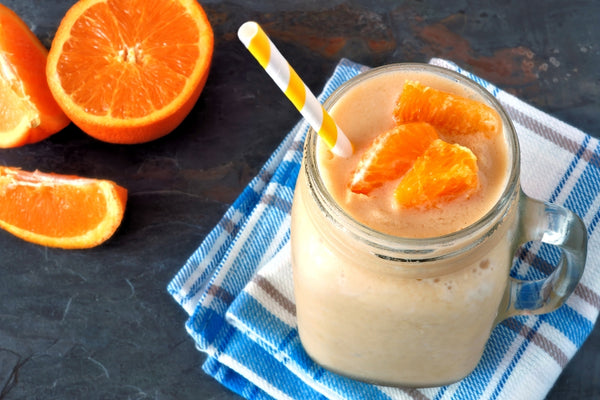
(99, 323)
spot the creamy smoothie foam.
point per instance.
(367, 315)
(366, 112)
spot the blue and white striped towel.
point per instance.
(237, 287)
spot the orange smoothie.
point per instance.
(366, 112)
(391, 295)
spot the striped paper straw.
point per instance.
(261, 47)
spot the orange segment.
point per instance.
(390, 155)
(28, 112)
(446, 111)
(129, 71)
(443, 173)
(59, 210)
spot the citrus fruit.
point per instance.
(130, 71)
(453, 113)
(390, 155)
(59, 210)
(28, 112)
(444, 172)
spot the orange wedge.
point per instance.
(446, 111)
(390, 155)
(130, 71)
(443, 173)
(59, 210)
(28, 112)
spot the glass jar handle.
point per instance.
(556, 226)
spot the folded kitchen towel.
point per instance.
(237, 286)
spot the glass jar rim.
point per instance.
(416, 248)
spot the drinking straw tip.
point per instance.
(247, 31)
(265, 52)
(343, 147)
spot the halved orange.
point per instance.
(130, 71)
(28, 112)
(63, 211)
(443, 173)
(453, 113)
(390, 155)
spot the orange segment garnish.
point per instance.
(28, 112)
(59, 210)
(390, 155)
(446, 111)
(443, 173)
(129, 71)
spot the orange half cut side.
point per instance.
(130, 71)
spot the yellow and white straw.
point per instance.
(261, 47)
